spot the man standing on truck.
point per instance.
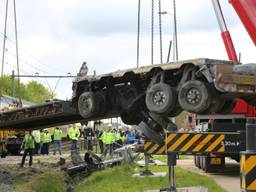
(28, 144)
(57, 136)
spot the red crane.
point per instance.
(246, 10)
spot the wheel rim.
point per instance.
(159, 98)
(193, 96)
(86, 103)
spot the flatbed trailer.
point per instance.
(149, 94)
(44, 115)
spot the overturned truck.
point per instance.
(145, 96)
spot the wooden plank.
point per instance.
(238, 79)
(223, 68)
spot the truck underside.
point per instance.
(145, 96)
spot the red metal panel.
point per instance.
(246, 9)
(243, 108)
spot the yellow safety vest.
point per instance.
(28, 142)
(74, 133)
(57, 135)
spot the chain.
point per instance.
(152, 32)
(138, 34)
(160, 31)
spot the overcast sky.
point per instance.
(56, 36)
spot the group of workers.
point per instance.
(38, 142)
(43, 138)
(110, 140)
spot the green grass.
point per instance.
(45, 182)
(119, 179)
(163, 158)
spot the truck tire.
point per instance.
(88, 104)
(130, 118)
(161, 99)
(194, 96)
(131, 115)
(216, 104)
(151, 134)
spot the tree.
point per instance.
(32, 91)
(37, 92)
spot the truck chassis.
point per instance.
(145, 96)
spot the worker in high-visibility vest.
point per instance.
(28, 145)
(113, 140)
(73, 135)
(57, 137)
(119, 142)
(108, 139)
(46, 140)
(37, 137)
(100, 140)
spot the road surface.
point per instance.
(228, 180)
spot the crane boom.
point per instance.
(225, 34)
(246, 10)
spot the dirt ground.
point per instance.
(10, 170)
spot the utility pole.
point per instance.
(13, 83)
(4, 41)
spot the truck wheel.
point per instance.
(194, 96)
(130, 118)
(161, 98)
(151, 134)
(216, 103)
(88, 104)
